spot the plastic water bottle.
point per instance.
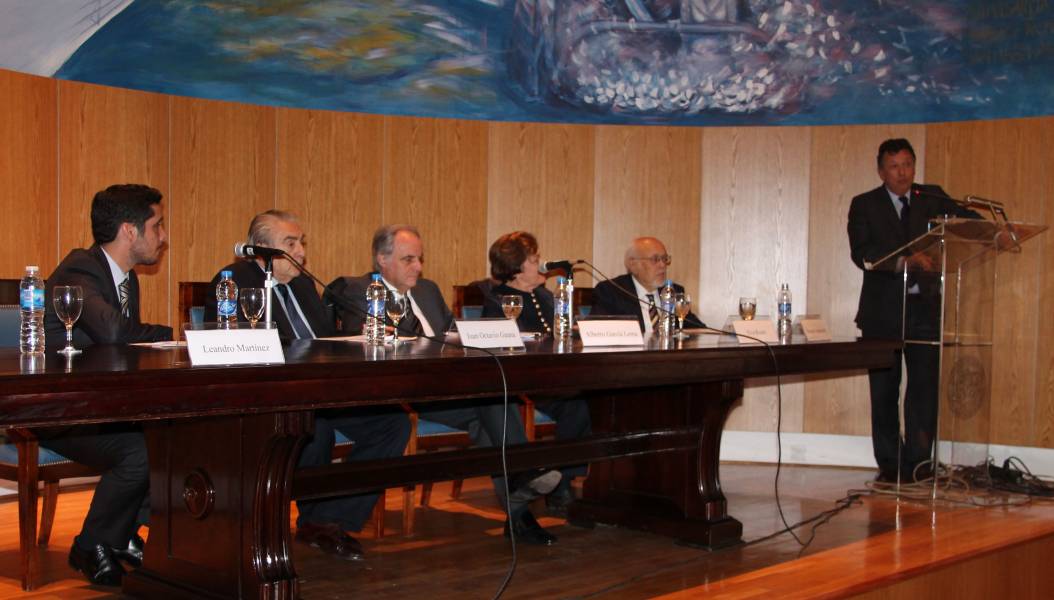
(562, 309)
(376, 295)
(783, 303)
(226, 301)
(31, 300)
(666, 308)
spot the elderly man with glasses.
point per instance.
(636, 292)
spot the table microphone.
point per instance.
(552, 265)
(243, 250)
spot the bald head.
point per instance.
(646, 260)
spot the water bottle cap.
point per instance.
(376, 276)
(32, 269)
(225, 274)
(560, 280)
(669, 283)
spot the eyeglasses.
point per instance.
(665, 259)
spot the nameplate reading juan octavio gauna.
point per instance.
(234, 347)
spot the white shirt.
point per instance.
(115, 271)
(645, 303)
(276, 295)
(426, 327)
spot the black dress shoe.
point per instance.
(526, 486)
(527, 529)
(558, 501)
(97, 564)
(331, 539)
(133, 553)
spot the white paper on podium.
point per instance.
(234, 347)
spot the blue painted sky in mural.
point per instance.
(687, 62)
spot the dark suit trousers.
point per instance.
(920, 399)
(376, 433)
(484, 421)
(119, 452)
(572, 422)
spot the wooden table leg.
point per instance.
(219, 494)
(676, 493)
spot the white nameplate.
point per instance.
(815, 330)
(763, 330)
(490, 333)
(234, 346)
(610, 332)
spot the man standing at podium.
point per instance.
(880, 222)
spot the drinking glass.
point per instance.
(512, 306)
(252, 302)
(69, 300)
(682, 305)
(396, 307)
(747, 307)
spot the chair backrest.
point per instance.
(192, 298)
(468, 299)
(10, 317)
(9, 291)
(583, 300)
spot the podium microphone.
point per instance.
(243, 250)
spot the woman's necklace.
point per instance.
(538, 310)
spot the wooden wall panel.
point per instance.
(107, 136)
(223, 173)
(754, 236)
(28, 173)
(1008, 161)
(436, 178)
(1044, 357)
(648, 184)
(541, 180)
(330, 173)
(842, 166)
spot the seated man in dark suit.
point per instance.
(636, 293)
(300, 315)
(398, 254)
(127, 224)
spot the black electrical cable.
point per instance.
(779, 393)
(342, 302)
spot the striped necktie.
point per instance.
(122, 292)
(300, 328)
(653, 313)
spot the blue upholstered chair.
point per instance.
(23, 461)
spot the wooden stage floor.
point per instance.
(878, 548)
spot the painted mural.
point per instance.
(691, 62)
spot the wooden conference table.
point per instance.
(224, 442)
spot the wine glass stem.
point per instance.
(680, 325)
(69, 336)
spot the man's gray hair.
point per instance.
(384, 240)
(261, 229)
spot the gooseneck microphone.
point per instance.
(553, 265)
(243, 250)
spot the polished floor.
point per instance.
(458, 550)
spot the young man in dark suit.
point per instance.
(636, 293)
(300, 315)
(881, 221)
(398, 255)
(128, 228)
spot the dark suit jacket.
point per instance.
(874, 232)
(101, 321)
(247, 273)
(608, 300)
(352, 291)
